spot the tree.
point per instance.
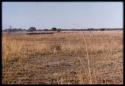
(32, 29)
(54, 29)
(102, 29)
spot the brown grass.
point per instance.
(63, 58)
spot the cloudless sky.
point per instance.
(62, 14)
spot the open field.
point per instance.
(90, 57)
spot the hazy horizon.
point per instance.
(65, 15)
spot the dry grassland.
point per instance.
(94, 57)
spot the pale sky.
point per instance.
(65, 15)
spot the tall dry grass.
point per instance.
(93, 53)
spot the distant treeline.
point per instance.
(31, 29)
(92, 29)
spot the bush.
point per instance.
(31, 29)
(58, 30)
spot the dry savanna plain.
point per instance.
(84, 57)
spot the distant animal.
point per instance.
(55, 47)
